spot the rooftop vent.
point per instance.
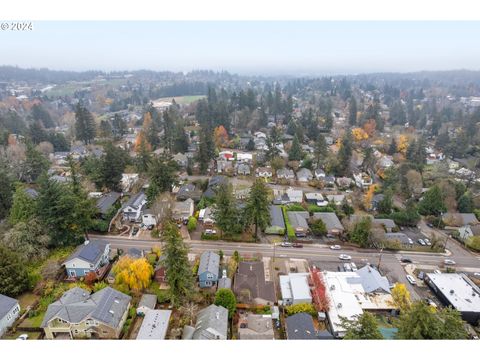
(451, 291)
(332, 287)
(339, 305)
(111, 312)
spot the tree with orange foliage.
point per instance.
(136, 274)
(369, 127)
(221, 136)
(402, 144)
(367, 200)
(141, 141)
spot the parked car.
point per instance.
(421, 242)
(347, 267)
(210, 232)
(335, 247)
(410, 241)
(150, 227)
(449, 262)
(297, 245)
(431, 302)
(354, 266)
(406, 260)
(23, 337)
(345, 257)
(411, 279)
(428, 242)
(185, 221)
(286, 244)
(135, 231)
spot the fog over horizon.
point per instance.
(246, 48)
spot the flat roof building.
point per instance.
(154, 325)
(295, 288)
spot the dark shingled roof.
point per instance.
(300, 327)
(106, 201)
(251, 276)
(90, 252)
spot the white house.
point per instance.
(295, 196)
(295, 289)
(9, 312)
(149, 219)
(132, 211)
(362, 180)
(265, 172)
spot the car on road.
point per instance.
(411, 279)
(353, 266)
(345, 257)
(449, 262)
(406, 260)
(297, 245)
(428, 242)
(23, 337)
(335, 247)
(286, 244)
(421, 242)
(477, 274)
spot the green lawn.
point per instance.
(183, 100)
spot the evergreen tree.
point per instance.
(163, 175)
(465, 203)
(432, 202)
(227, 216)
(144, 157)
(23, 206)
(393, 147)
(321, 150)
(105, 129)
(119, 126)
(40, 114)
(35, 164)
(112, 166)
(352, 112)
(14, 278)
(345, 154)
(6, 190)
(84, 124)
(386, 204)
(37, 133)
(257, 208)
(178, 271)
(296, 152)
(180, 144)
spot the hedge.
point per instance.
(290, 229)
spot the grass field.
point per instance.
(183, 100)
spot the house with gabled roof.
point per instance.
(212, 324)
(132, 210)
(88, 257)
(9, 312)
(208, 269)
(79, 314)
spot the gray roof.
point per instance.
(148, 300)
(75, 305)
(276, 216)
(460, 219)
(90, 251)
(106, 201)
(298, 219)
(209, 261)
(304, 172)
(154, 325)
(6, 304)
(372, 281)
(388, 223)
(211, 321)
(300, 327)
(251, 277)
(397, 236)
(136, 201)
(224, 283)
(330, 220)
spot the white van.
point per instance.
(411, 279)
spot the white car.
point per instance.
(23, 337)
(335, 247)
(286, 244)
(354, 266)
(411, 279)
(449, 262)
(345, 257)
(421, 242)
(210, 232)
(428, 242)
(410, 241)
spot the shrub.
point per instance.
(192, 223)
(318, 227)
(290, 229)
(299, 308)
(155, 233)
(295, 207)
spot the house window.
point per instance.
(208, 283)
(209, 276)
(86, 271)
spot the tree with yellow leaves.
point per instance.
(359, 134)
(136, 274)
(141, 142)
(402, 144)
(221, 136)
(401, 297)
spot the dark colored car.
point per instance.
(135, 231)
(406, 260)
(297, 245)
(430, 225)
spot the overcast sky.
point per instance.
(296, 48)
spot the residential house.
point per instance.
(206, 217)
(295, 288)
(362, 180)
(331, 221)
(300, 327)
(315, 198)
(298, 220)
(90, 256)
(79, 314)
(154, 325)
(255, 327)
(106, 201)
(244, 158)
(224, 167)
(319, 173)
(328, 181)
(277, 223)
(304, 175)
(188, 191)
(212, 324)
(182, 210)
(208, 269)
(132, 210)
(181, 160)
(343, 182)
(376, 200)
(243, 169)
(250, 285)
(147, 302)
(388, 224)
(9, 312)
(286, 174)
(457, 220)
(213, 184)
(468, 231)
(149, 218)
(226, 155)
(294, 196)
(336, 199)
(265, 172)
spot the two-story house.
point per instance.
(208, 269)
(90, 256)
(132, 210)
(9, 312)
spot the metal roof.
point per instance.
(6, 304)
(209, 261)
(154, 325)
